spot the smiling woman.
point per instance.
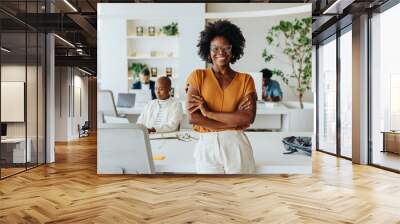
(221, 103)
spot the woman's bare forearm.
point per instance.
(197, 118)
(239, 118)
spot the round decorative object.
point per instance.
(152, 31)
(139, 31)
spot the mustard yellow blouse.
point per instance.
(218, 99)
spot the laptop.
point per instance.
(126, 100)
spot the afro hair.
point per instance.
(226, 29)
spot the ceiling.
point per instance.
(77, 22)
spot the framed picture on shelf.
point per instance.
(153, 71)
(168, 71)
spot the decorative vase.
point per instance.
(152, 31)
(139, 31)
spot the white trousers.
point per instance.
(222, 152)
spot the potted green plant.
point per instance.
(171, 29)
(135, 70)
(293, 39)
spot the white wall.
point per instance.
(61, 103)
(80, 109)
(112, 64)
(190, 60)
(255, 30)
(67, 114)
(12, 73)
(33, 126)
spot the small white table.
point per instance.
(267, 147)
(19, 155)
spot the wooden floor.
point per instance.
(70, 191)
(387, 159)
(5, 172)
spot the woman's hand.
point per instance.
(198, 103)
(192, 105)
(244, 104)
(204, 110)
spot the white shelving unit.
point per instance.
(141, 48)
(117, 40)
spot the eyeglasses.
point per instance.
(226, 48)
